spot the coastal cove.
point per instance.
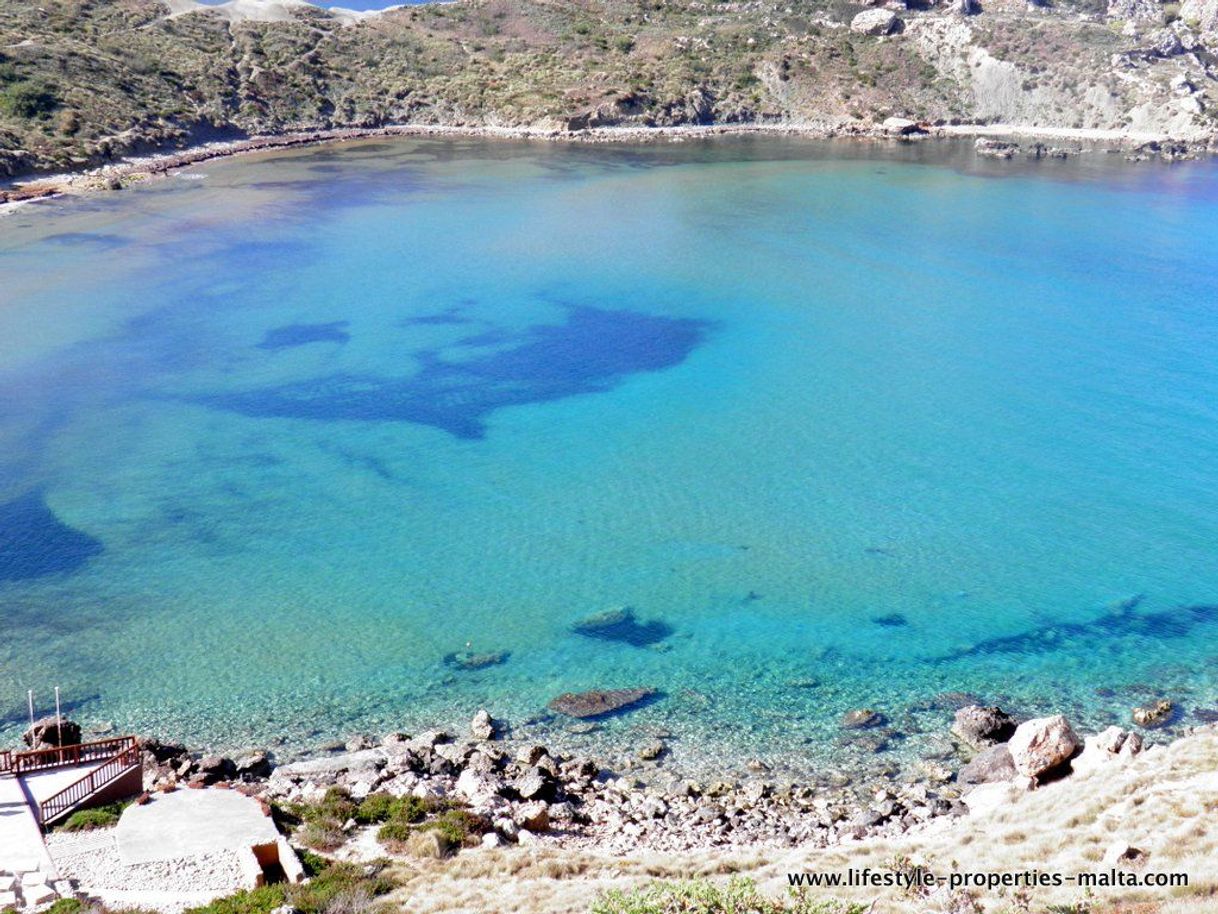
(347, 439)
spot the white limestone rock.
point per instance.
(875, 22)
(1042, 744)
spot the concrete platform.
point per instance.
(21, 847)
(188, 823)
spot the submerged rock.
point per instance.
(1157, 714)
(474, 660)
(860, 718)
(995, 149)
(981, 727)
(598, 702)
(621, 625)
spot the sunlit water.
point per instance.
(845, 426)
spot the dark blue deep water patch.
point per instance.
(592, 352)
(1123, 622)
(34, 542)
(303, 334)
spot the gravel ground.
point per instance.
(92, 859)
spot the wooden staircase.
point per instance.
(117, 774)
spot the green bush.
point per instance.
(737, 896)
(254, 901)
(395, 830)
(322, 835)
(66, 906)
(458, 826)
(89, 819)
(339, 879)
(381, 807)
(28, 99)
(317, 896)
(336, 806)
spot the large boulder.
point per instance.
(981, 727)
(1042, 744)
(52, 732)
(988, 767)
(482, 727)
(254, 766)
(875, 22)
(897, 126)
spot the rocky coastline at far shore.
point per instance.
(995, 142)
(510, 792)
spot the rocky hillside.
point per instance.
(82, 81)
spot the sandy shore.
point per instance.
(114, 176)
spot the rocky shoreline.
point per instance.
(1003, 142)
(516, 792)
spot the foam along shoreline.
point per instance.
(134, 168)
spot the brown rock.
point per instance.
(51, 732)
(598, 702)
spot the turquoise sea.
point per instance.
(844, 425)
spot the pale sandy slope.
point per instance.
(259, 10)
(1164, 802)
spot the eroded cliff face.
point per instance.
(83, 81)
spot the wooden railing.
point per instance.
(127, 758)
(6, 761)
(60, 756)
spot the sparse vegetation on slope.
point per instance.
(84, 81)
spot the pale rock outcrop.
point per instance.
(875, 22)
(1202, 12)
(1135, 10)
(1104, 747)
(475, 787)
(988, 797)
(900, 126)
(1040, 745)
(482, 727)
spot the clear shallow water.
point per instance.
(854, 426)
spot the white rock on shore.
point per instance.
(1042, 744)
